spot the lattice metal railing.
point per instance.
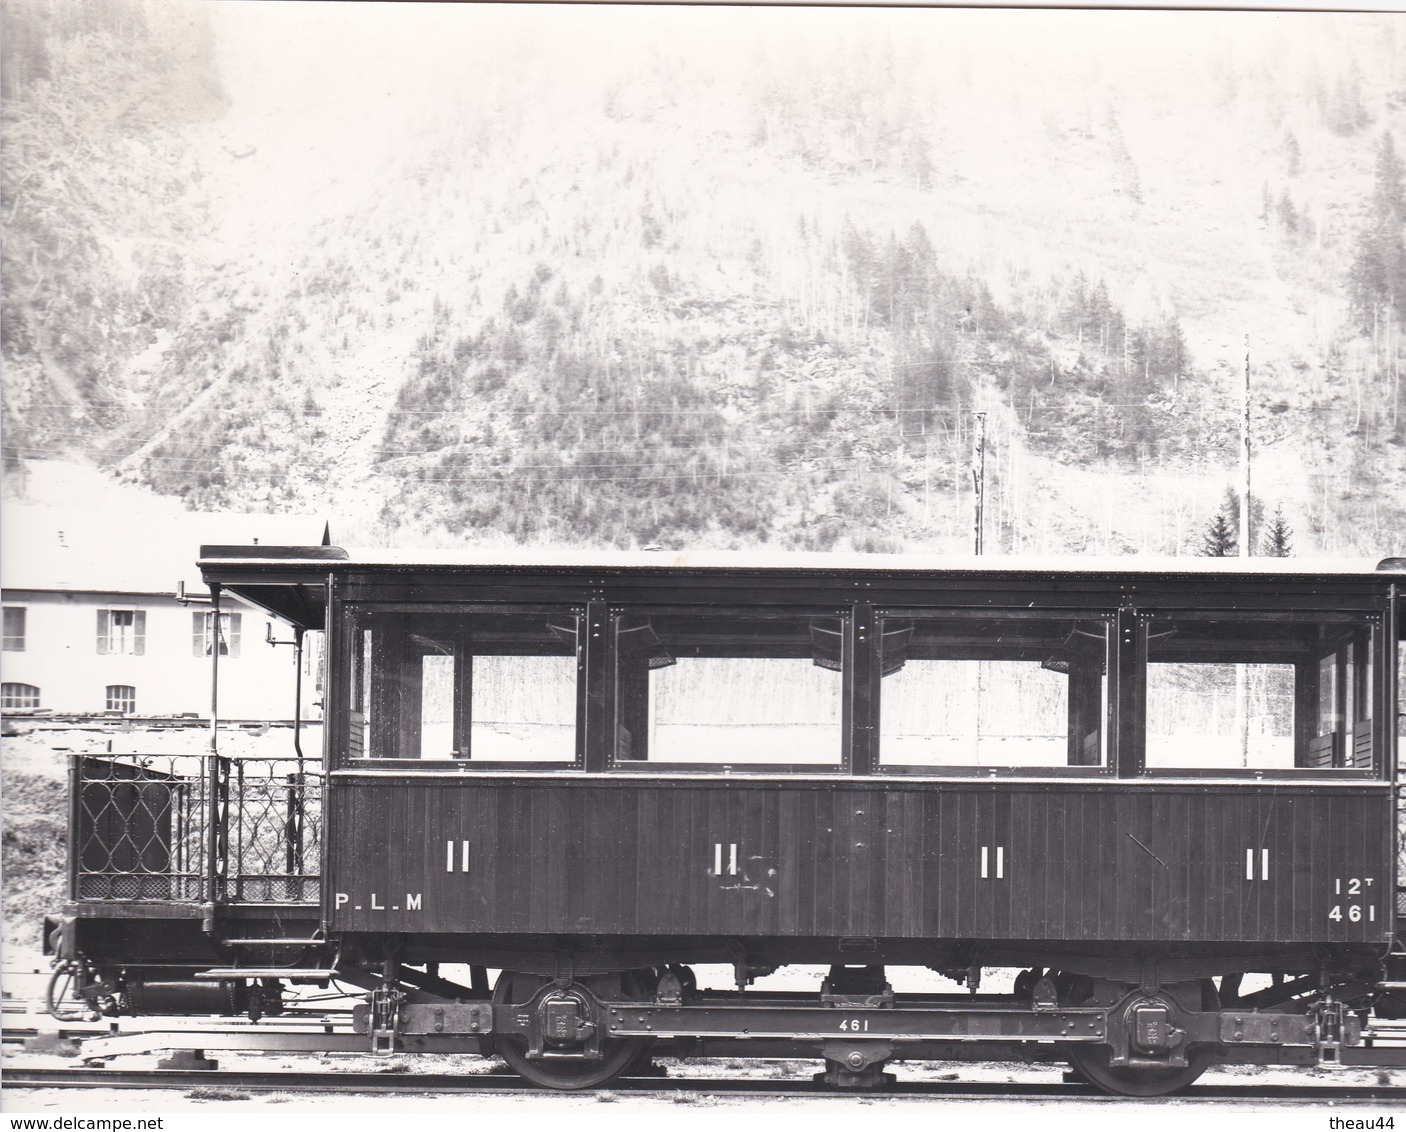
(139, 828)
(274, 832)
(1400, 850)
(195, 829)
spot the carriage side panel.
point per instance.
(763, 858)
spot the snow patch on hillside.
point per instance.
(75, 482)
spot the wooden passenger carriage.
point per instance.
(1137, 786)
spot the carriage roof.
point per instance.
(290, 582)
(213, 558)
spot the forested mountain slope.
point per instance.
(713, 277)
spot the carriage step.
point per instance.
(275, 942)
(267, 973)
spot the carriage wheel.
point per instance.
(565, 1072)
(1092, 1062)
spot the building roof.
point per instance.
(79, 550)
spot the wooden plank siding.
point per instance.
(902, 861)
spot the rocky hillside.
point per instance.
(713, 277)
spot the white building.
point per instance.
(92, 623)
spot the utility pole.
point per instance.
(979, 474)
(1245, 548)
(1242, 674)
(979, 489)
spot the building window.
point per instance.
(121, 632)
(121, 697)
(13, 696)
(203, 634)
(14, 628)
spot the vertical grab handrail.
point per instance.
(1391, 683)
(212, 828)
(180, 830)
(296, 795)
(235, 814)
(75, 803)
(212, 765)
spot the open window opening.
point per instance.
(207, 633)
(972, 691)
(728, 690)
(1260, 693)
(499, 687)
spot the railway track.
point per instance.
(504, 1083)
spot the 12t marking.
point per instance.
(1354, 913)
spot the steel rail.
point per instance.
(425, 1083)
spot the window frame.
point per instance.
(131, 700)
(349, 672)
(11, 688)
(841, 769)
(105, 638)
(1109, 713)
(21, 612)
(1133, 758)
(201, 646)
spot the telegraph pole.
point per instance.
(1242, 675)
(1245, 548)
(979, 474)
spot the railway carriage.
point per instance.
(1162, 798)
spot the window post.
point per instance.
(1389, 712)
(1127, 697)
(1389, 715)
(214, 666)
(594, 719)
(859, 674)
(338, 685)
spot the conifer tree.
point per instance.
(1278, 538)
(1219, 540)
(1230, 508)
(1346, 112)
(1174, 351)
(1378, 273)
(1076, 306)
